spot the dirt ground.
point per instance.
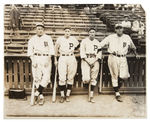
(133, 106)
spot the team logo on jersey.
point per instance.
(70, 45)
(124, 44)
(95, 47)
(45, 44)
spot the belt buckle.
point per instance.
(88, 55)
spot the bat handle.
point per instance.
(54, 87)
(32, 95)
(89, 90)
(101, 75)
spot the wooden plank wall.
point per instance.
(17, 74)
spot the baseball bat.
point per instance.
(32, 94)
(54, 88)
(101, 76)
(89, 90)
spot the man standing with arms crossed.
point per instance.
(67, 64)
(118, 45)
(90, 61)
(40, 50)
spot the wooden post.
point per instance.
(15, 74)
(10, 72)
(27, 73)
(21, 73)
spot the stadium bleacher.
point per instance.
(54, 21)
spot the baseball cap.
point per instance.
(67, 27)
(91, 28)
(118, 25)
(40, 24)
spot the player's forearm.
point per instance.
(76, 48)
(103, 43)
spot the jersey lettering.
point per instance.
(124, 44)
(70, 45)
(45, 44)
(95, 47)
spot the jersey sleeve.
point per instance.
(30, 51)
(131, 44)
(82, 49)
(76, 42)
(104, 42)
(51, 47)
(58, 41)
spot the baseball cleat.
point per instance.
(35, 100)
(92, 100)
(36, 95)
(41, 100)
(119, 98)
(67, 99)
(62, 99)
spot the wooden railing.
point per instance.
(17, 74)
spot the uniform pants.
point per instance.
(67, 68)
(90, 75)
(118, 67)
(41, 73)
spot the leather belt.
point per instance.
(118, 55)
(91, 55)
(67, 54)
(38, 54)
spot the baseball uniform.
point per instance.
(40, 50)
(67, 64)
(89, 51)
(117, 62)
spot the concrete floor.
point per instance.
(134, 106)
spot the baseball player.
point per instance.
(90, 60)
(118, 45)
(40, 50)
(67, 64)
